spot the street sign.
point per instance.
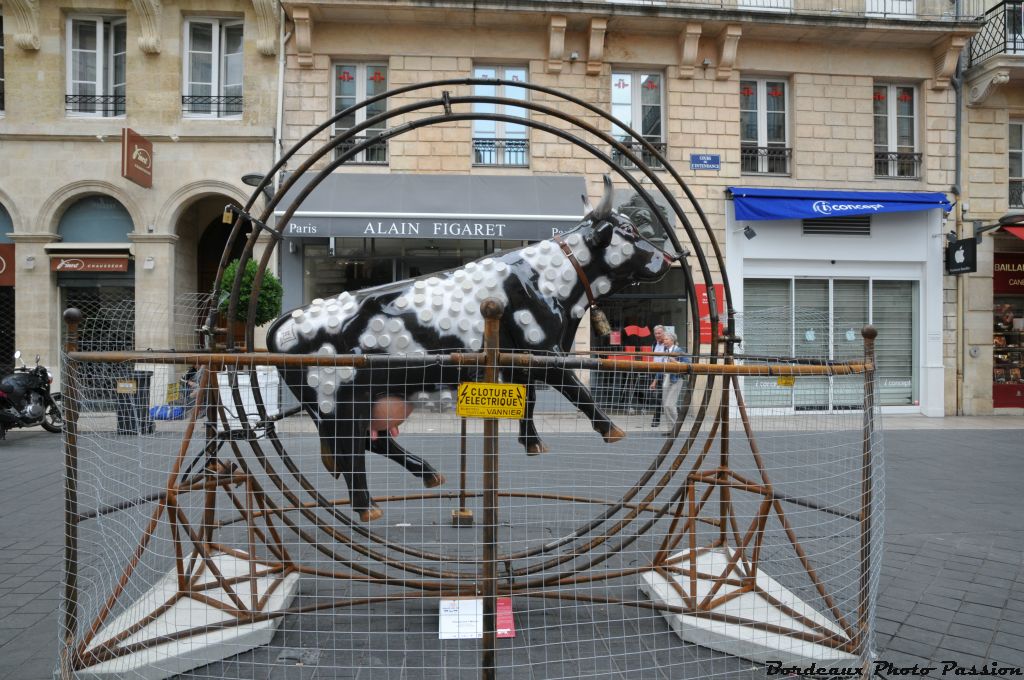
(491, 400)
(705, 161)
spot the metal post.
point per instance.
(492, 310)
(462, 517)
(869, 334)
(72, 317)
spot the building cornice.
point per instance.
(149, 12)
(26, 22)
(556, 43)
(689, 41)
(946, 54)
(303, 36)
(267, 14)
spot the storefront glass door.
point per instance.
(822, 319)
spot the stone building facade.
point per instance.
(989, 351)
(777, 94)
(75, 75)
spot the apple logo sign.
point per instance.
(958, 255)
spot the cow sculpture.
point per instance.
(546, 288)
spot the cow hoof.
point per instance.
(371, 514)
(434, 480)
(534, 449)
(613, 434)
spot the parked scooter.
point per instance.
(25, 399)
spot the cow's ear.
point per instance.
(600, 235)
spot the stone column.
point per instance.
(37, 315)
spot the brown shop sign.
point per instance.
(136, 158)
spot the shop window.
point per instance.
(1017, 164)
(96, 49)
(355, 83)
(638, 99)
(95, 219)
(212, 79)
(895, 115)
(1008, 329)
(2, 109)
(764, 146)
(822, 319)
(499, 142)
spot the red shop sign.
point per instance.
(704, 310)
(1008, 274)
(6, 264)
(84, 263)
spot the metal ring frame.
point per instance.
(539, 572)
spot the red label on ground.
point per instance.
(506, 627)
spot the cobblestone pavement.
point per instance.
(952, 585)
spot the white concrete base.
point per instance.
(171, 658)
(736, 639)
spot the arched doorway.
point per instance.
(202, 235)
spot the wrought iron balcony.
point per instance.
(1003, 32)
(95, 104)
(513, 153)
(1017, 193)
(767, 160)
(203, 105)
(375, 154)
(638, 149)
(897, 164)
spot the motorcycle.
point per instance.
(26, 401)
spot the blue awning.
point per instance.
(753, 203)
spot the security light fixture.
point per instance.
(253, 179)
(1007, 220)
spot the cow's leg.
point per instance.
(528, 435)
(343, 442)
(566, 382)
(386, 446)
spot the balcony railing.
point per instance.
(638, 149)
(95, 104)
(768, 160)
(511, 153)
(375, 154)
(1017, 193)
(897, 164)
(204, 105)
(929, 10)
(1003, 32)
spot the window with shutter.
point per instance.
(767, 331)
(893, 311)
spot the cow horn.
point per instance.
(587, 208)
(604, 208)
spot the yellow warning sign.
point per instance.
(786, 380)
(491, 400)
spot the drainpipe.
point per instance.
(961, 334)
(278, 133)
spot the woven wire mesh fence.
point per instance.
(217, 530)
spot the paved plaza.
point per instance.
(952, 583)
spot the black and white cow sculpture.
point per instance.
(544, 292)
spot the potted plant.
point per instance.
(268, 305)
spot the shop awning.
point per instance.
(500, 207)
(752, 203)
(1016, 231)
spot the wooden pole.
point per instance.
(72, 317)
(492, 310)
(864, 601)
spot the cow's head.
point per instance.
(618, 249)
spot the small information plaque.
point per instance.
(506, 625)
(786, 380)
(461, 619)
(491, 400)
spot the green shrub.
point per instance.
(268, 307)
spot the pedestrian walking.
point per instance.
(655, 388)
(672, 383)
